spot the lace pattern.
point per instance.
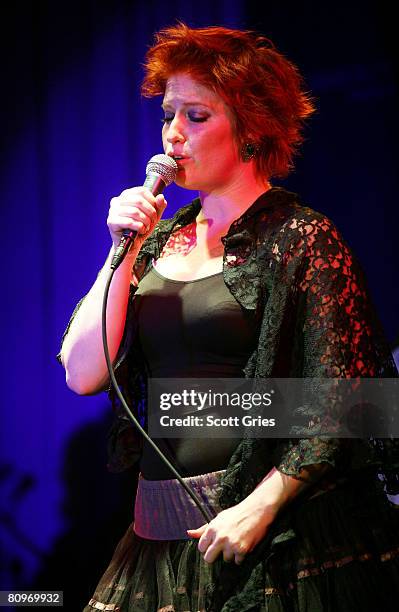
(289, 267)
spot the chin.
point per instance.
(182, 181)
(185, 182)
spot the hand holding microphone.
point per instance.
(134, 214)
(135, 209)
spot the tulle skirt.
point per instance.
(335, 552)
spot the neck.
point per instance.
(223, 206)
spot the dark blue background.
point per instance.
(75, 133)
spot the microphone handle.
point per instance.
(156, 185)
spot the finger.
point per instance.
(197, 533)
(136, 201)
(228, 554)
(138, 193)
(239, 553)
(133, 213)
(212, 552)
(205, 541)
(238, 559)
(161, 203)
(125, 223)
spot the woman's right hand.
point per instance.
(135, 209)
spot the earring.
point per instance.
(249, 150)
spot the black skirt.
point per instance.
(337, 551)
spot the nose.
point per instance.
(175, 132)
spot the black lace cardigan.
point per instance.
(288, 266)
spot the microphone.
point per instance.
(160, 172)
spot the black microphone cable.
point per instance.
(114, 265)
(125, 405)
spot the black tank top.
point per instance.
(191, 329)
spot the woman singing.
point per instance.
(242, 282)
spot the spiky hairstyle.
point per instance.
(263, 90)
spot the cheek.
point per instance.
(215, 142)
(164, 141)
(222, 149)
(223, 140)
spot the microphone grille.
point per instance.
(164, 166)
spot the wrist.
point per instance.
(273, 493)
(264, 507)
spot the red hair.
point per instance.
(263, 90)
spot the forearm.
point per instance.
(276, 490)
(82, 352)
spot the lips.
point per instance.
(177, 156)
(180, 160)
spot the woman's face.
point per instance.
(198, 129)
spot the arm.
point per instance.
(337, 325)
(237, 530)
(277, 489)
(82, 353)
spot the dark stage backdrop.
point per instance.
(75, 133)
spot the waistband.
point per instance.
(164, 511)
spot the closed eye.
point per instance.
(197, 118)
(191, 116)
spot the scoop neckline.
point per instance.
(183, 282)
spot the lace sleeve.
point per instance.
(341, 336)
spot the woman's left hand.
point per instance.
(233, 532)
(237, 530)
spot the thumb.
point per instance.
(161, 203)
(197, 533)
